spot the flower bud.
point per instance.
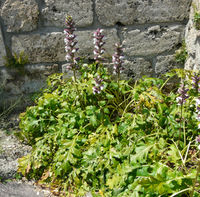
(98, 44)
(70, 43)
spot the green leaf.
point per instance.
(90, 110)
(102, 103)
(114, 181)
(141, 154)
(173, 154)
(109, 96)
(106, 110)
(93, 120)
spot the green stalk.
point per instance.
(75, 82)
(74, 72)
(118, 78)
(184, 133)
(181, 124)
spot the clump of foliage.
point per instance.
(16, 61)
(181, 55)
(107, 136)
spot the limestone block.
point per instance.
(128, 12)
(49, 47)
(42, 69)
(55, 12)
(40, 48)
(31, 81)
(2, 50)
(190, 63)
(152, 41)
(164, 64)
(32, 85)
(192, 39)
(136, 68)
(20, 15)
(197, 60)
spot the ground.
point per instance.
(10, 150)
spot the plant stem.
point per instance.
(74, 72)
(181, 124)
(75, 81)
(184, 133)
(118, 77)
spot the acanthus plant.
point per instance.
(117, 60)
(98, 85)
(98, 45)
(183, 96)
(181, 100)
(196, 82)
(70, 46)
(198, 111)
(98, 52)
(95, 143)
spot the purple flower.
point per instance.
(70, 43)
(98, 45)
(198, 139)
(117, 59)
(198, 111)
(98, 85)
(183, 94)
(195, 82)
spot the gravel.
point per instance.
(16, 189)
(10, 147)
(10, 150)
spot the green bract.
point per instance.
(126, 141)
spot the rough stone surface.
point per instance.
(192, 39)
(15, 88)
(42, 69)
(2, 49)
(136, 68)
(15, 189)
(136, 11)
(50, 47)
(197, 60)
(190, 63)
(20, 15)
(11, 150)
(55, 12)
(40, 48)
(31, 81)
(152, 41)
(164, 64)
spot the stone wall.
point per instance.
(149, 30)
(192, 39)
